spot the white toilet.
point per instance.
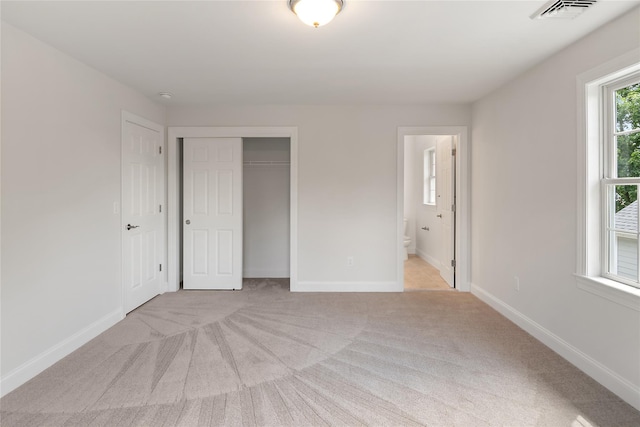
(407, 240)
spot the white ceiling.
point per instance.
(258, 52)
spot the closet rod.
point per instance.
(267, 163)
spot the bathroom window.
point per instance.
(430, 176)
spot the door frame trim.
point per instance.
(463, 200)
(173, 190)
(140, 121)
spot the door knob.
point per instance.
(129, 226)
(188, 222)
(439, 215)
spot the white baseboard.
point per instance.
(33, 367)
(626, 390)
(347, 287)
(260, 274)
(428, 258)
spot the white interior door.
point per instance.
(142, 216)
(446, 205)
(212, 213)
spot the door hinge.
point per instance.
(453, 208)
(160, 149)
(160, 267)
(453, 263)
(453, 151)
(160, 208)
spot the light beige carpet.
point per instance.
(419, 275)
(267, 357)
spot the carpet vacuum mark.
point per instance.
(264, 356)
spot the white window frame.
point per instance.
(591, 162)
(429, 176)
(610, 178)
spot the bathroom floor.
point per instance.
(419, 275)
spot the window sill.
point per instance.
(625, 295)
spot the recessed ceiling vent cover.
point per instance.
(563, 9)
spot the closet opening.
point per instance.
(214, 241)
(212, 195)
(266, 211)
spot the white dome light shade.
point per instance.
(315, 12)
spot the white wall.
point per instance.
(266, 207)
(524, 177)
(346, 183)
(61, 124)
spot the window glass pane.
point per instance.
(626, 207)
(433, 163)
(628, 155)
(627, 119)
(626, 251)
(627, 102)
(623, 235)
(432, 191)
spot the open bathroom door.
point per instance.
(446, 205)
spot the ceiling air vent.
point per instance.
(562, 9)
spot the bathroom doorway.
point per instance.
(431, 246)
(429, 209)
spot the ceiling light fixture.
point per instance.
(316, 12)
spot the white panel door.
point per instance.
(446, 205)
(142, 217)
(212, 213)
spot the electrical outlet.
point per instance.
(516, 283)
(350, 261)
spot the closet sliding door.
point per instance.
(212, 211)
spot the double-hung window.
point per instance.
(608, 257)
(621, 180)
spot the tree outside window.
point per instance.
(627, 136)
